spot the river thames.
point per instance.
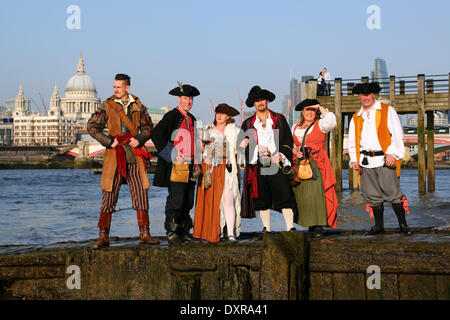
(51, 206)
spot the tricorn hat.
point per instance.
(228, 110)
(306, 103)
(257, 93)
(184, 90)
(367, 88)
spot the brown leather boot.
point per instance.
(103, 239)
(145, 237)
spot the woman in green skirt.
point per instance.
(316, 198)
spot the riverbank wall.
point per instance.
(280, 266)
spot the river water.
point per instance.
(51, 206)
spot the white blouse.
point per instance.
(327, 123)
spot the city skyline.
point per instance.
(218, 47)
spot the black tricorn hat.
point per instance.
(184, 90)
(367, 88)
(257, 93)
(306, 103)
(228, 110)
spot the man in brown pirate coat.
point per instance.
(129, 127)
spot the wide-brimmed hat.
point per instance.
(257, 93)
(184, 90)
(228, 110)
(367, 88)
(306, 103)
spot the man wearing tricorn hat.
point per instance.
(267, 141)
(173, 137)
(375, 145)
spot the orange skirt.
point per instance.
(207, 207)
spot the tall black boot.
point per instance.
(378, 212)
(401, 217)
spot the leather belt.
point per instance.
(372, 153)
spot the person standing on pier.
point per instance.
(173, 137)
(327, 78)
(375, 146)
(129, 127)
(317, 202)
(267, 141)
(218, 204)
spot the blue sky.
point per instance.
(218, 47)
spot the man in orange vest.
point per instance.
(375, 146)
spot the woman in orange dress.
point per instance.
(218, 204)
(311, 211)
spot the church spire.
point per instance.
(55, 91)
(55, 102)
(80, 66)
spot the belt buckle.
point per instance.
(371, 153)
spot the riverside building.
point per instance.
(66, 117)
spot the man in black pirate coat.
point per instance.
(267, 140)
(173, 137)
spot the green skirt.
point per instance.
(310, 198)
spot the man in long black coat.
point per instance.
(173, 137)
(267, 140)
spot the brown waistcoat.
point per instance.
(109, 162)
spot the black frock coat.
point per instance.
(161, 135)
(285, 144)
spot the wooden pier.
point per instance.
(421, 95)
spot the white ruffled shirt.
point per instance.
(369, 137)
(266, 138)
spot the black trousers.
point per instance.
(178, 204)
(275, 192)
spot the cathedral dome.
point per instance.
(80, 81)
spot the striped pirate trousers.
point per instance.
(139, 195)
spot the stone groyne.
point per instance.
(280, 266)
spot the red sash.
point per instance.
(120, 153)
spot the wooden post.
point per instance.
(392, 90)
(448, 92)
(421, 132)
(352, 174)
(350, 86)
(430, 151)
(311, 89)
(337, 141)
(401, 87)
(430, 86)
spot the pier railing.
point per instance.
(421, 95)
(434, 83)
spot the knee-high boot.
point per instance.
(104, 224)
(401, 217)
(378, 212)
(144, 228)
